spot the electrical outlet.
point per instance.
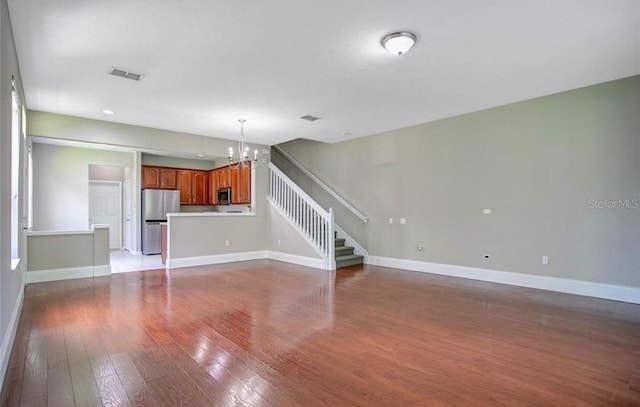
(545, 260)
(279, 242)
(390, 221)
(486, 211)
(420, 247)
(226, 243)
(487, 256)
(403, 221)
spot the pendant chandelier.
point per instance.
(243, 150)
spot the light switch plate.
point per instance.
(403, 221)
(486, 211)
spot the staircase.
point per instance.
(314, 223)
(344, 254)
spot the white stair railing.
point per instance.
(311, 220)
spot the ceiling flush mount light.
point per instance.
(108, 111)
(243, 149)
(399, 43)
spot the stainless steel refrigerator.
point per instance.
(156, 203)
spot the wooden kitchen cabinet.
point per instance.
(193, 187)
(241, 184)
(158, 177)
(224, 176)
(185, 186)
(168, 178)
(214, 185)
(150, 177)
(244, 195)
(199, 187)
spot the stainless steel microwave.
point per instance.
(224, 196)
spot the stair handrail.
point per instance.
(324, 186)
(307, 216)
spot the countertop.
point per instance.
(208, 214)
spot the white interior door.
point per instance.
(105, 207)
(126, 236)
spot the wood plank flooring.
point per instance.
(265, 333)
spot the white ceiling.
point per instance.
(207, 63)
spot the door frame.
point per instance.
(126, 235)
(119, 206)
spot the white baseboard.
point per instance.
(102, 270)
(563, 285)
(41, 276)
(10, 336)
(214, 259)
(295, 259)
(233, 257)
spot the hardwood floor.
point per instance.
(264, 333)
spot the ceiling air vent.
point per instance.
(124, 74)
(310, 118)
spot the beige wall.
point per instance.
(60, 251)
(61, 184)
(67, 250)
(11, 282)
(106, 173)
(206, 236)
(176, 162)
(289, 239)
(539, 165)
(101, 253)
(59, 126)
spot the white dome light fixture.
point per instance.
(398, 43)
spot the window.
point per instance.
(16, 124)
(27, 183)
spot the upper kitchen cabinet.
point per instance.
(214, 185)
(241, 184)
(150, 177)
(224, 175)
(158, 177)
(199, 187)
(193, 187)
(244, 195)
(168, 178)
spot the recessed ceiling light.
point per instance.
(398, 43)
(345, 134)
(199, 155)
(108, 111)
